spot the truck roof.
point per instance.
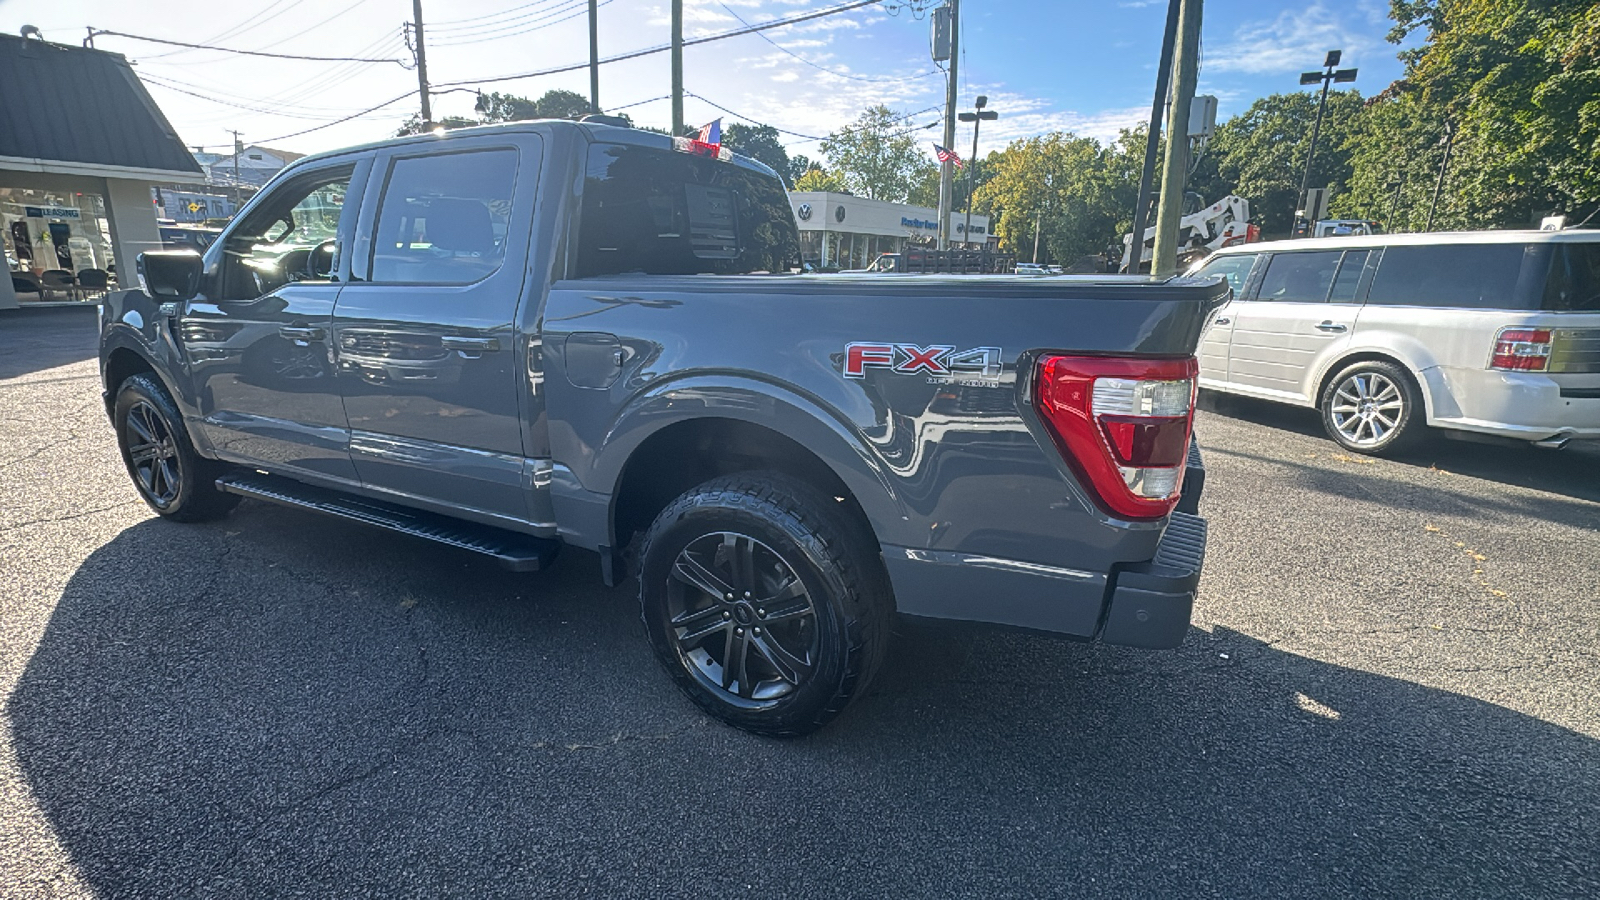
(594, 131)
(1340, 242)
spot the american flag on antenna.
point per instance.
(711, 134)
(946, 156)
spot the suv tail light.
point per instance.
(1123, 425)
(1521, 350)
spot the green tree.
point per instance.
(759, 142)
(1068, 191)
(874, 155)
(556, 104)
(413, 124)
(1260, 155)
(799, 164)
(819, 179)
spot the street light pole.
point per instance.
(977, 118)
(1438, 186)
(1327, 77)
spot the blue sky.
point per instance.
(1083, 67)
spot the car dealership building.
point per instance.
(842, 231)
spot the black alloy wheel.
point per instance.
(765, 601)
(169, 475)
(153, 455)
(743, 621)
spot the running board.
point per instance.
(517, 552)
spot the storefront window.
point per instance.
(57, 243)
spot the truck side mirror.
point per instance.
(170, 274)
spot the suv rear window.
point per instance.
(1574, 281)
(661, 212)
(1471, 276)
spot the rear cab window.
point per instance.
(662, 212)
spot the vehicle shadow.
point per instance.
(32, 340)
(320, 709)
(1572, 472)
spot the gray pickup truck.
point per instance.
(512, 338)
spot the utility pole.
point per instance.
(947, 174)
(1327, 77)
(1438, 186)
(238, 148)
(977, 118)
(422, 65)
(677, 68)
(1038, 222)
(1394, 208)
(1175, 165)
(1152, 138)
(594, 56)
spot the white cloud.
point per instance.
(1294, 41)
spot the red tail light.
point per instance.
(1521, 350)
(1123, 425)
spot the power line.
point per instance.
(236, 101)
(515, 12)
(776, 23)
(370, 109)
(95, 32)
(572, 11)
(548, 9)
(310, 28)
(819, 67)
(809, 137)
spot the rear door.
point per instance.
(1303, 311)
(1213, 352)
(425, 333)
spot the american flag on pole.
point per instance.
(711, 134)
(946, 156)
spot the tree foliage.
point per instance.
(759, 142)
(1070, 191)
(874, 156)
(556, 104)
(819, 179)
(413, 124)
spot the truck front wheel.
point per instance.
(764, 601)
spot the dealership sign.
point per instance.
(50, 212)
(909, 222)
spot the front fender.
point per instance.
(132, 322)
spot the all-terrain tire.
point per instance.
(725, 574)
(175, 481)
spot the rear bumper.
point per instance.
(1523, 405)
(1144, 604)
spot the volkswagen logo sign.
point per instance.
(838, 213)
(804, 212)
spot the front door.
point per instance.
(1214, 341)
(257, 339)
(425, 336)
(1303, 310)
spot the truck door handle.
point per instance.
(1221, 320)
(470, 344)
(301, 333)
(1332, 327)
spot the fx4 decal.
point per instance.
(940, 362)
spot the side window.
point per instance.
(1574, 281)
(662, 212)
(1349, 278)
(1299, 276)
(443, 219)
(290, 237)
(1473, 276)
(1234, 268)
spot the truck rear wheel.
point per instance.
(765, 602)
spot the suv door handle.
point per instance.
(1221, 320)
(301, 333)
(1332, 327)
(470, 344)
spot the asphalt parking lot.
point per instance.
(1389, 690)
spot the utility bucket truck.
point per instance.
(1201, 231)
